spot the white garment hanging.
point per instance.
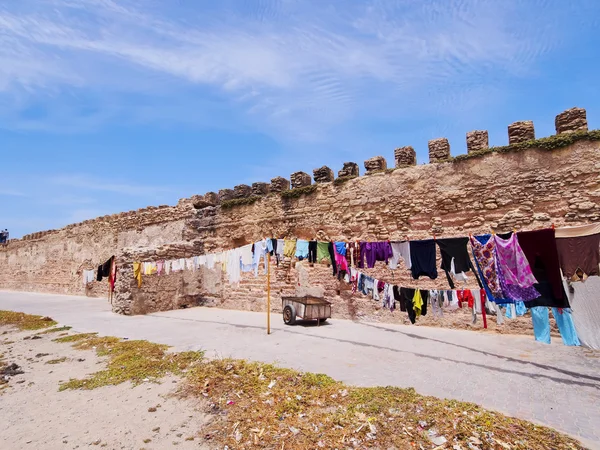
(400, 250)
(246, 254)
(585, 310)
(461, 276)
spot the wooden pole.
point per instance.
(268, 293)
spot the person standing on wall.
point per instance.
(4, 236)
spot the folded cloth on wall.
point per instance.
(423, 260)
(580, 253)
(539, 247)
(400, 250)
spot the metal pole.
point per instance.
(268, 293)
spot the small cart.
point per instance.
(307, 308)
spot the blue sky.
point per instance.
(108, 106)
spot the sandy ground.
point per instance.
(35, 415)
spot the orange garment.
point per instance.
(137, 273)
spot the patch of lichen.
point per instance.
(25, 321)
(228, 204)
(341, 180)
(547, 143)
(57, 360)
(264, 406)
(299, 192)
(133, 361)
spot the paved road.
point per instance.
(551, 384)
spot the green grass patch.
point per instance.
(57, 361)
(341, 180)
(133, 361)
(299, 192)
(547, 143)
(228, 204)
(263, 406)
(55, 330)
(25, 321)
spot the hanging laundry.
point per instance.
(246, 254)
(564, 322)
(436, 301)
(484, 253)
(388, 297)
(376, 289)
(465, 296)
(583, 297)
(137, 273)
(373, 252)
(425, 297)
(340, 259)
(88, 277)
(399, 297)
(260, 251)
(322, 251)
(408, 295)
(540, 250)
(423, 259)
(104, 269)
(280, 250)
(514, 272)
(160, 266)
(168, 265)
(541, 324)
(301, 249)
(352, 254)
(400, 250)
(354, 274)
(455, 258)
(417, 303)
(331, 251)
(579, 255)
(289, 248)
(312, 252)
(234, 265)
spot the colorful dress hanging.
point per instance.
(514, 272)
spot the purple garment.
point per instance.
(514, 272)
(374, 251)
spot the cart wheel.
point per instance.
(289, 315)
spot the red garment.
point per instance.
(465, 295)
(483, 297)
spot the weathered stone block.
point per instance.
(323, 175)
(242, 191)
(439, 150)
(477, 140)
(201, 201)
(279, 184)
(405, 156)
(300, 179)
(211, 197)
(571, 120)
(226, 194)
(374, 164)
(350, 169)
(260, 188)
(520, 132)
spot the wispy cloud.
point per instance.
(296, 69)
(11, 193)
(92, 183)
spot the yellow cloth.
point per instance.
(137, 273)
(289, 248)
(417, 302)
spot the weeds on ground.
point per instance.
(25, 321)
(262, 405)
(57, 360)
(134, 361)
(55, 330)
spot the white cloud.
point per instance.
(92, 183)
(295, 69)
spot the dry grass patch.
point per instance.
(25, 321)
(135, 361)
(262, 406)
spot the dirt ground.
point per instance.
(35, 415)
